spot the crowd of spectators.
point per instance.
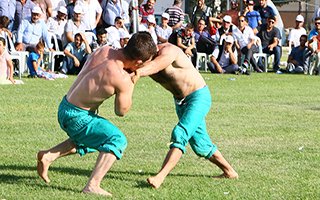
(230, 39)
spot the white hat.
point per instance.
(165, 15)
(227, 18)
(300, 18)
(151, 19)
(37, 10)
(124, 34)
(229, 39)
(63, 10)
(77, 9)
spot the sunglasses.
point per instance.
(317, 23)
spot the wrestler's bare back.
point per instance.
(180, 77)
(100, 78)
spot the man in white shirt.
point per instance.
(163, 30)
(295, 34)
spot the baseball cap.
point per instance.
(165, 15)
(37, 10)
(63, 10)
(151, 19)
(251, 2)
(300, 18)
(227, 18)
(229, 39)
(77, 9)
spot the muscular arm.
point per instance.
(123, 98)
(166, 56)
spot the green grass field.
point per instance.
(266, 125)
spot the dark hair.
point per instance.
(244, 17)
(175, 2)
(101, 31)
(3, 41)
(305, 36)
(117, 19)
(78, 35)
(317, 18)
(5, 21)
(140, 47)
(272, 17)
(189, 26)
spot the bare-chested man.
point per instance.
(175, 72)
(106, 73)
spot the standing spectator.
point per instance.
(31, 31)
(270, 38)
(163, 30)
(298, 59)
(176, 15)
(147, 9)
(295, 34)
(233, 12)
(111, 10)
(265, 11)
(76, 55)
(56, 4)
(23, 11)
(201, 11)
(46, 7)
(92, 12)
(70, 8)
(315, 31)
(74, 26)
(224, 61)
(8, 8)
(253, 16)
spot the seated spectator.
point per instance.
(46, 7)
(124, 38)
(204, 43)
(253, 16)
(224, 61)
(151, 27)
(163, 30)
(115, 31)
(74, 25)
(270, 38)
(4, 23)
(35, 59)
(214, 24)
(76, 54)
(186, 41)
(6, 66)
(101, 37)
(31, 31)
(249, 47)
(299, 57)
(56, 25)
(8, 8)
(314, 44)
(295, 34)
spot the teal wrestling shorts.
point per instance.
(192, 111)
(89, 131)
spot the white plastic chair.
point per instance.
(52, 54)
(202, 60)
(21, 56)
(256, 56)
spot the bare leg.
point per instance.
(46, 157)
(169, 163)
(103, 164)
(220, 161)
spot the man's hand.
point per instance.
(135, 76)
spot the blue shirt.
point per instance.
(31, 33)
(33, 57)
(312, 33)
(298, 55)
(265, 13)
(253, 18)
(78, 53)
(8, 8)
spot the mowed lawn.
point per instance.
(266, 125)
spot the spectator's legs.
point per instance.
(231, 68)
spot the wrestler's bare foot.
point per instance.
(43, 166)
(231, 175)
(96, 190)
(155, 181)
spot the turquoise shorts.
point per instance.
(89, 131)
(191, 128)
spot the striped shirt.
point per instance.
(176, 15)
